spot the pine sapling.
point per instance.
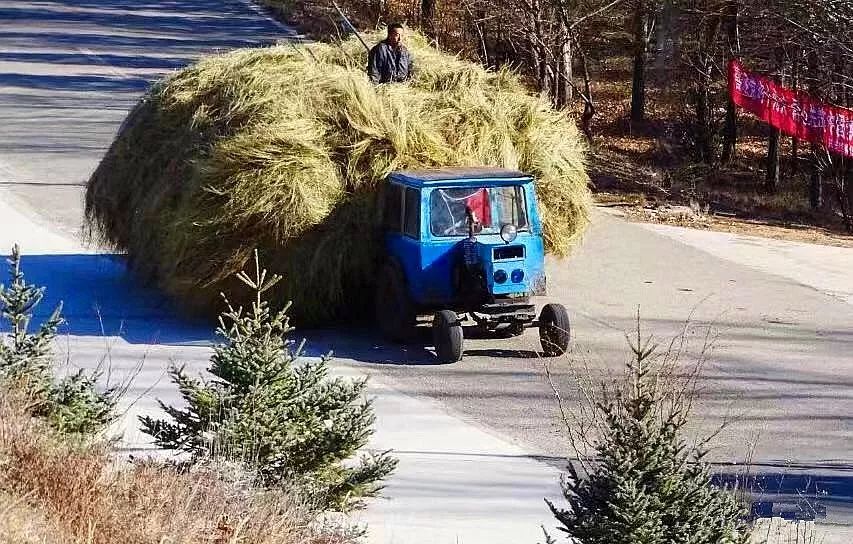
(646, 483)
(26, 357)
(73, 404)
(275, 410)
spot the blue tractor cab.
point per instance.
(464, 244)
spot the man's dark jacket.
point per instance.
(389, 64)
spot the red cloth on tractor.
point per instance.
(479, 204)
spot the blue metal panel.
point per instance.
(407, 251)
(460, 172)
(531, 265)
(437, 261)
(428, 263)
(434, 265)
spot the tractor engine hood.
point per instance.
(511, 269)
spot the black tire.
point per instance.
(447, 336)
(554, 330)
(394, 310)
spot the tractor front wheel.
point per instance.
(447, 336)
(395, 312)
(554, 330)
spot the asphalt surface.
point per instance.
(781, 371)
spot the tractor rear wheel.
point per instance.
(554, 330)
(395, 312)
(447, 336)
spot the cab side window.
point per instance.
(392, 216)
(413, 213)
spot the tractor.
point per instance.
(463, 245)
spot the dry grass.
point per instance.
(49, 487)
(779, 531)
(283, 149)
(23, 524)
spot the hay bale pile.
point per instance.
(282, 150)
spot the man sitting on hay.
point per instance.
(389, 60)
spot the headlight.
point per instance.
(509, 233)
(500, 276)
(517, 275)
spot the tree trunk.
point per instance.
(564, 87)
(589, 104)
(730, 127)
(566, 54)
(428, 17)
(551, 77)
(664, 37)
(774, 173)
(481, 34)
(536, 61)
(539, 56)
(816, 183)
(773, 170)
(795, 142)
(795, 155)
(847, 194)
(703, 123)
(641, 45)
(729, 133)
(816, 178)
(704, 104)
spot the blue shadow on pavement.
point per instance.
(794, 495)
(73, 82)
(100, 297)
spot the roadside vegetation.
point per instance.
(268, 464)
(639, 477)
(638, 473)
(281, 416)
(57, 490)
(72, 404)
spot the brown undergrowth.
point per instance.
(55, 490)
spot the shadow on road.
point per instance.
(100, 298)
(81, 83)
(367, 346)
(805, 493)
(83, 58)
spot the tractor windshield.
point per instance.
(492, 207)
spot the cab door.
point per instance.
(402, 223)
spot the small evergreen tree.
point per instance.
(274, 410)
(77, 405)
(647, 484)
(73, 404)
(26, 357)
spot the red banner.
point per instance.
(792, 112)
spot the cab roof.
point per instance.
(458, 176)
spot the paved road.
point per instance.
(782, 369)
(71, 69)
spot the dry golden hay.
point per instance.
(282, 149)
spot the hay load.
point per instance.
(281, 149)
